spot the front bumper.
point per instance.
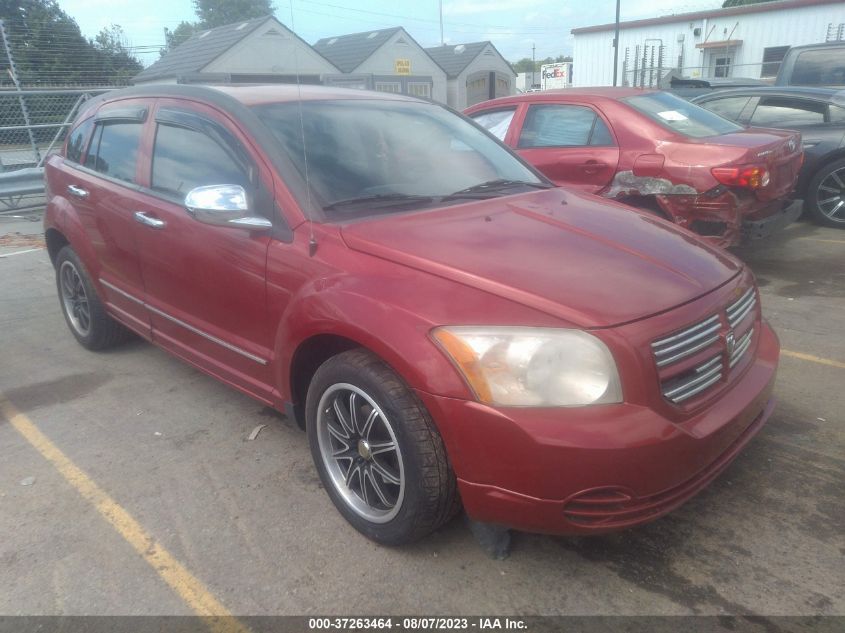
(597, 469)
(771, 222)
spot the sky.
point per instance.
(514, 26)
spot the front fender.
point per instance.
(397, 335)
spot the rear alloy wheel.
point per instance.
(826, 195)
(377, 451)
(84, 312)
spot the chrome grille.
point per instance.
(742, 346)
(694, 381)
(696, 358)
(738, 310)
(678, 346)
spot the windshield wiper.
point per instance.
(379, 200)
(492, 186)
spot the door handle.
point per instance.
(143, 218)
(77, 192)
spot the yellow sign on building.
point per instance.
(402, 66)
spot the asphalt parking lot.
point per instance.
(181, 495)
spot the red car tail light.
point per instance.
(749, 176)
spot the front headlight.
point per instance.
(532, 367)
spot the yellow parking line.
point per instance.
(818, 239)
(813, 359)
(189, 588)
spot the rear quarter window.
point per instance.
(681, 116)
(78, 141)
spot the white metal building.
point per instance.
(743, 41)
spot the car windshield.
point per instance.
(681, 116)
(378, 156)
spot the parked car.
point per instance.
(448, 326)
(819, 114)
(817, 65)
(689, 87)
(656, 151)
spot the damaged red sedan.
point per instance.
(657, 152)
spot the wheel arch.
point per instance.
(805, 179)
(56, 240)
(307, 338)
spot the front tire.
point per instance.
(377, 451)
(84, 313)
(825, 199)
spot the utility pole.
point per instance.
(616, 45)
(441, 23)
(13, 73)
(533, 65)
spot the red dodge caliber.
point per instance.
(449, 328)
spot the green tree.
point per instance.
(49, 48)
(213, 13)
(524, 64)
(181, 33)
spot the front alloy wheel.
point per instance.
(380, 457)
(360, 452)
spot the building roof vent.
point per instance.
(242, 26)
(331, 41)
(372, 35)
(460, 48)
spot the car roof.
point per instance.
(249, 95)
(807, 92)
(575, 94)
(804, 47)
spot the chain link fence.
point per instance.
(33, 124)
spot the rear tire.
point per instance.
(377, 451)
(825, 200)
(84, 313)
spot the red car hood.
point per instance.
(577, 257)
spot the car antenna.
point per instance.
(312, 242)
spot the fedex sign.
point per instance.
(555, 75)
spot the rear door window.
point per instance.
(184, 159)
(114, 149)
(681, 116)
(563, 126)
(729, 107)
(496, 122)
(781, 112)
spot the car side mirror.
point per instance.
(223, 205)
